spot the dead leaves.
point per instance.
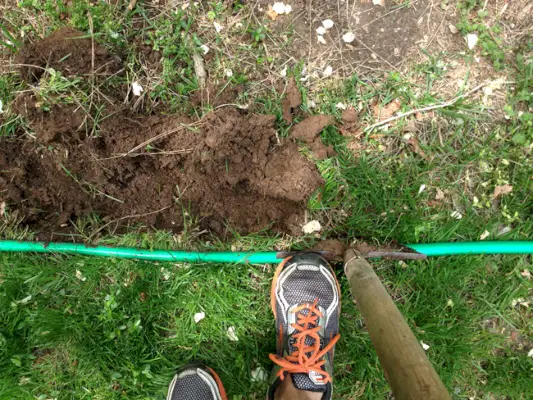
(501, 191)
(415, 145)
(382, 112)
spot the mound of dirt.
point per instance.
(228, 170)
(69, 51)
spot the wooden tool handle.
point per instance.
(407, 368)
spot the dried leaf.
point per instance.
(270, 13)
(502, 190)
(382, 112)
(415, 144)
(2, 208)
(439, 195)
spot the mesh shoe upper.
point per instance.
(196, 382)
(306, 303)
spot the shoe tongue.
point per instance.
(303, 381)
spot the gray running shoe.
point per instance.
(305, 299)
(196, 382)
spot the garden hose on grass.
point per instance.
(266, 257)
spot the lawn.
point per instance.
(75, 327)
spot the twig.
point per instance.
(132, 4)
(127, 217)
(433, 106)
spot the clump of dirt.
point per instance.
(291, 101)
(309, 130)
(69, 51)
(228, 170)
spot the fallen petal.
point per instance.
(199, 316)
(279, 8)
(471, 40)
(321, 30)
(231, 334)
(328, 71)
(136, 88)
(348, 37)
(311, 227)
(328, 24)
(424, 345)
(217, 26)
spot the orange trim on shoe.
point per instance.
(219, 384)
(274, 282)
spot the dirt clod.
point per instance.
(310, 128)
(292, 100)
(227, 171)
(68, 51)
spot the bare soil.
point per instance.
(386, 37)
(228, 170)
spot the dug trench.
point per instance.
(228, 170)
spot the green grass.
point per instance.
(76, 327)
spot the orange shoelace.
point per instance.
(298, 361)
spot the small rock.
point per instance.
(453, 29)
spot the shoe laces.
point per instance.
(305, 358)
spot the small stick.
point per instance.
(132, 4)
(432, 107)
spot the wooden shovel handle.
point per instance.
(407, 368)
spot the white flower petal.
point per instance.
(456, 215)
(217, 26)
(136, 88)
(283, 72)
(484, 235)
(204, 48)
(471, 40)
(311, 227)
(259, 375)
(341, 106)
(288, 8)
(424, 346)
(228, 72)
(328, 71)
(348, 37)
(231, 334)
(421, 188)
(321, 39)
(199, 316)
(279, 8)
(328, 24)
(530, 353)
(321, 30)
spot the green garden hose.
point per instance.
(267, 257)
